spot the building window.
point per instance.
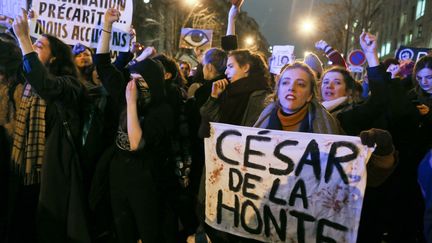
(387, 48)
(410, 36)
(421, 4)
(419, 31)
(403, 19)
(402, 40)
(383, 50)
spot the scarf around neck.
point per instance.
(29, 137)
(234, 99)
(332, 104)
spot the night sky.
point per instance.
(279, 21)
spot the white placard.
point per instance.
(80, 21)
(281, 56)
(277, 186)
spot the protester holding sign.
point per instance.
(296, 109)
(44, 155)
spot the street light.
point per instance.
(307, 26)
(249, 41)
(191, 2)
(146, 1)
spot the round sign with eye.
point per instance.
(196, 38)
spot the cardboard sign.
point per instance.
(81, 21)
(411, 53)
(277, 186)
(12, 8)
(280, 57)
(196, 38)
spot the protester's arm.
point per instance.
(362, 116)
(111, 15)
(368, 42)
(133, 125)
(332, 54)
(383, 159)
(234, 10)
(48, 86)
(112, 78)
(229, 42)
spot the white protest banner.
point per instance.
(281, 56)
(12, 8)
(196, 38)
(80, 21)
(277, 186)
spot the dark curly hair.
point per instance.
(63, 64)
(257, 62)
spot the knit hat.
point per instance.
(314, 62)
(10, 58)
(153, 73)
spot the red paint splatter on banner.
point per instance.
(215, 174)
(335, 199)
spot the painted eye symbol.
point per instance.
(196, 38)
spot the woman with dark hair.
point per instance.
(239, 99)
(337, 90)
(45, 162)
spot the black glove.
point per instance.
(381, 138)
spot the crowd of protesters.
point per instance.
(98, 151)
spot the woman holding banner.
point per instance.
(296, 108)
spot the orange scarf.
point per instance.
(291, 122)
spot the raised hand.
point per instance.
(237, 3)
(218, 87)
(234, 10)
(131, 92)
(368, 42)
(132, 32)
(382, 139)
(111, 15)
(321, 45)
(20, 26)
